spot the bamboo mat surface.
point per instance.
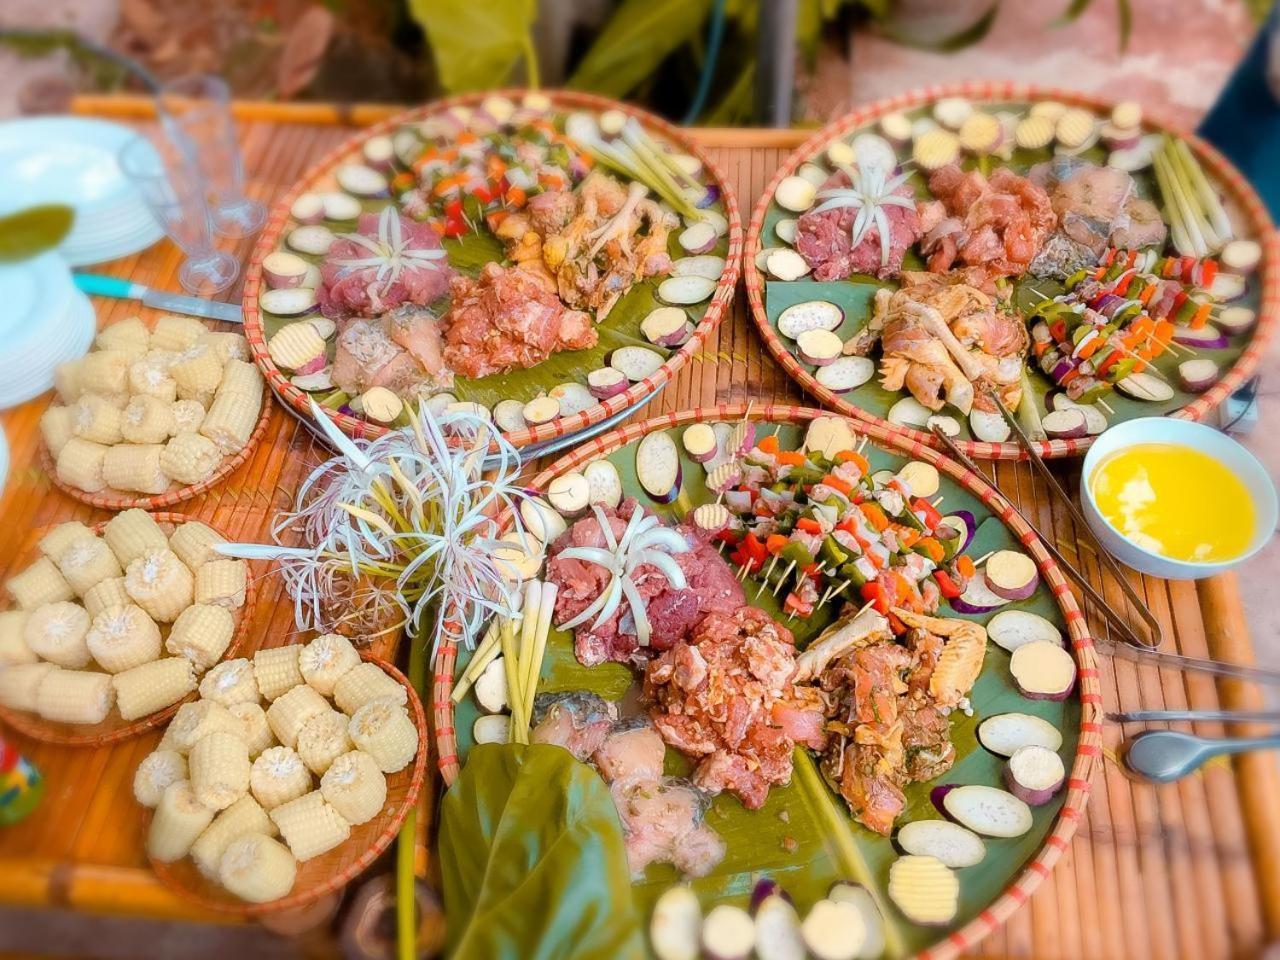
(1164, 872)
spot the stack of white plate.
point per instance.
(45, 321)
(73, 161)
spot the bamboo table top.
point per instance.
(1185, 870)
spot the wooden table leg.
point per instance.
(1257, 773)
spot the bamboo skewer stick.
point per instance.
(783, 579)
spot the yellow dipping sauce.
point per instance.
(1175, 501)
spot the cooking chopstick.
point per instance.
(1174, 716)
(1117, 621)
(1153, 625)
(1177, 661)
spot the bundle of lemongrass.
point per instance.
(403, 531)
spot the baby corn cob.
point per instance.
(230, 682)
(155, 773)
(289, 712)
(161, 584)
(79, 465)
(193, 543)
(384, 731)
(57, 632)
(364, 683)
(195, 721)
(57, 426)
(202, 634)
(187, 416)
(253, 727)
(222, 582)
(149, 377)
(13, 643)
(322, 740)
(277, 670)
(133, 534)
(109, 593)
(135, 467)
(104, 372)
(39, 584)
(153, 686)
(355, 787)
(228, 346)
(175, 334)
(123, 637)
(278, 776)
(326, 660)
(243, 817)
(257, 868)
(53, 543)
(310, 826)
(75, 696)
(179, 819)
(219, 765)
(20, 683)
(190, 458)
(129, 336)
(66, 380)
(243, 379)
(96, 419)
(147, 419)
(230, 421)
(86, 563)
(197, 372)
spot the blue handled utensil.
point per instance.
(121, 289)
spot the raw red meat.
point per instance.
(345, 291)
(996, 225)
(825, 239)
(508, 318)
(673, 614)
(727, 697)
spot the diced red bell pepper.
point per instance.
(874, 594)
(895, 624)
(931, 515)
(755, 551)
(948, 587)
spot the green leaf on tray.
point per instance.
(533, 861)
(475, 45)
(33, 231)
(803, 837)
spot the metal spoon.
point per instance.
(1163, 756)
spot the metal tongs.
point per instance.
(1134, 647)
(1119, 623)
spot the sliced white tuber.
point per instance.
(491, 687)
(795, 194)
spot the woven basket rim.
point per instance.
(64, 735)
(173, 875)
(1244, 194)
(279, 219)
(1088, 692)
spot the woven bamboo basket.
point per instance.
(1239, 193)
(330, 871)
(115, 727)
(321, 175)
(1089, 749)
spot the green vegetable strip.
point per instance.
(406, 899)
(510, 663)
(846, 853)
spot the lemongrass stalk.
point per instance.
(510, 665)
(485, 654)
(406, 899)
(1190, 224)
(528, 636)
(1209, 201)
(546, 604)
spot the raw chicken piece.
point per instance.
(579, 722)
(368, 354)
(633, 750)
(509, 318)
(662, 820)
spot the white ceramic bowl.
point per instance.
(1199, 437)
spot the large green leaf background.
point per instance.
(855, 294)
(803, 836)
(476, 43)
(638, 37)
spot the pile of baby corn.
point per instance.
(295, 743)
(128, 620)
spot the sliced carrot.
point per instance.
(965, 567)
(768, 445)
